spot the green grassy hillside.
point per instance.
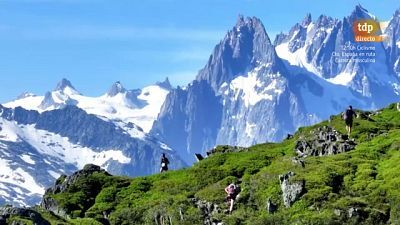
(361, 186)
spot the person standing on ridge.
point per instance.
(164, 163)
(348, 116)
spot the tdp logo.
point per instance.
(367, 31)
(365, 27)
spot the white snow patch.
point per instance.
(342, 78)
(27, 159)
(297, 58)
(57, 146)
(131, 129)
(8, 130)
(18, 177)
(165, 147)
(29, 102)
(247, 88)
(398, 44)
(54, 174)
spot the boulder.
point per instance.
(324, 141)
(291, 191)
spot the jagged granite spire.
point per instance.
(246, 44)
(48, 101)
(307, 20)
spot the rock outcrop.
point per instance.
(225, 149)
(27, 214)
(290, 191)
(208, 209)
(63, 183)
(324, 141)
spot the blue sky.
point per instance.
(96, 42)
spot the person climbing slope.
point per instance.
(164, 163)
(232, 192)
(348, 117)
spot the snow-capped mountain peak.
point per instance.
(60, 96)
(65, 86)
(115, 89)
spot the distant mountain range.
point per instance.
(62, 131)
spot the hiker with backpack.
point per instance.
(164, 163)
(348, 117)
(232, 192)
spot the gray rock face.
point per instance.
(290, 191)
(7, 211)
(52, 205)
(189, 119)
(324, 141)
